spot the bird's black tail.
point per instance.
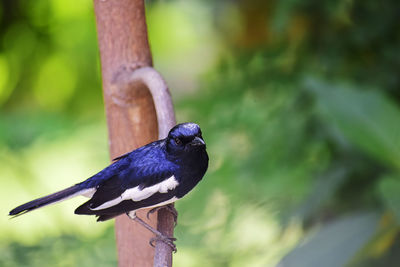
(47, 200)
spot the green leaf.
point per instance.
(335, 244)
(389, 188)
(368, 119)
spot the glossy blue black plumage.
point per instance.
(181, 155)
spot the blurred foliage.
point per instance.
(52, 252)
(298, 102)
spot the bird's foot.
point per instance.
(170, 208)
(167, 240)
(159, 236)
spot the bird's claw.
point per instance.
(170, 208)
(167, 240)
(159, 236)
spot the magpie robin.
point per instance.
(151, 176)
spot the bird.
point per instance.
(151, 176)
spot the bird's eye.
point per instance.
(178, 141)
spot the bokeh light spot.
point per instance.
(55, 83)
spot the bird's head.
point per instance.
(185, 137)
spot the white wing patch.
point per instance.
(110, 203)
(136, 194)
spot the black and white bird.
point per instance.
(151, 176)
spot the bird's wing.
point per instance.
(132, 188)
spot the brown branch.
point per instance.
(133, 77)
(131, 113)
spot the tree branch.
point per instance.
(131, 113)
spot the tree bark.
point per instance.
(130, 111)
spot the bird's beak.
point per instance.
(197, 141)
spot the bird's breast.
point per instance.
(191, 172)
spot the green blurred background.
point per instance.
(299, 105)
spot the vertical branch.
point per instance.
(129, 91)
(122, 36)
